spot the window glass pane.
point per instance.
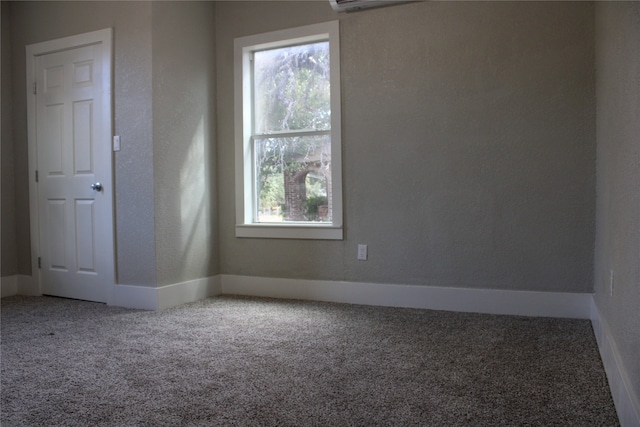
(293, 179)
(291, 89)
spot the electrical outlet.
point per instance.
(611, 283)
(362, 252)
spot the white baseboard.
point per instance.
(185, 292)
(523, 303)
(625, 397)
(134, 296)
(8, 286)
(18, 284)
(151, 298)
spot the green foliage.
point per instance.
(312, 206)
(271, 191)
(316, 185)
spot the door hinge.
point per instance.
(35, 88)
(37, 178)
(39, 262)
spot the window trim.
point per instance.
(243, 47)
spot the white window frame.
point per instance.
(246, 226)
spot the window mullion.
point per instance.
(292, 134)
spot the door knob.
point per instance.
(97, 186)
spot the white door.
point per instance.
(71, 114)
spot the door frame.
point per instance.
(105, 38)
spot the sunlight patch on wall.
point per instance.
(195, 231)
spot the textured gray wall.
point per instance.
(34, 22)
(183, 133)
(618, 172)
(468, 144)
(7, 231)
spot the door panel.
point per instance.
(85, 239)
(55, 226)
(82, 143)
(53, 152)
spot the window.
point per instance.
(288, 148)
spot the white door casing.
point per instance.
(69, 105)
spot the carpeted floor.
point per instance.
(234, 361)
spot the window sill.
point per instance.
(290, 231)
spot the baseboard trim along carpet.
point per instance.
(491, 301)
(150, 298)
(523, 303)
(626, 402)
(18, 284)
(194, 290)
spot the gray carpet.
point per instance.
(234, 361)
